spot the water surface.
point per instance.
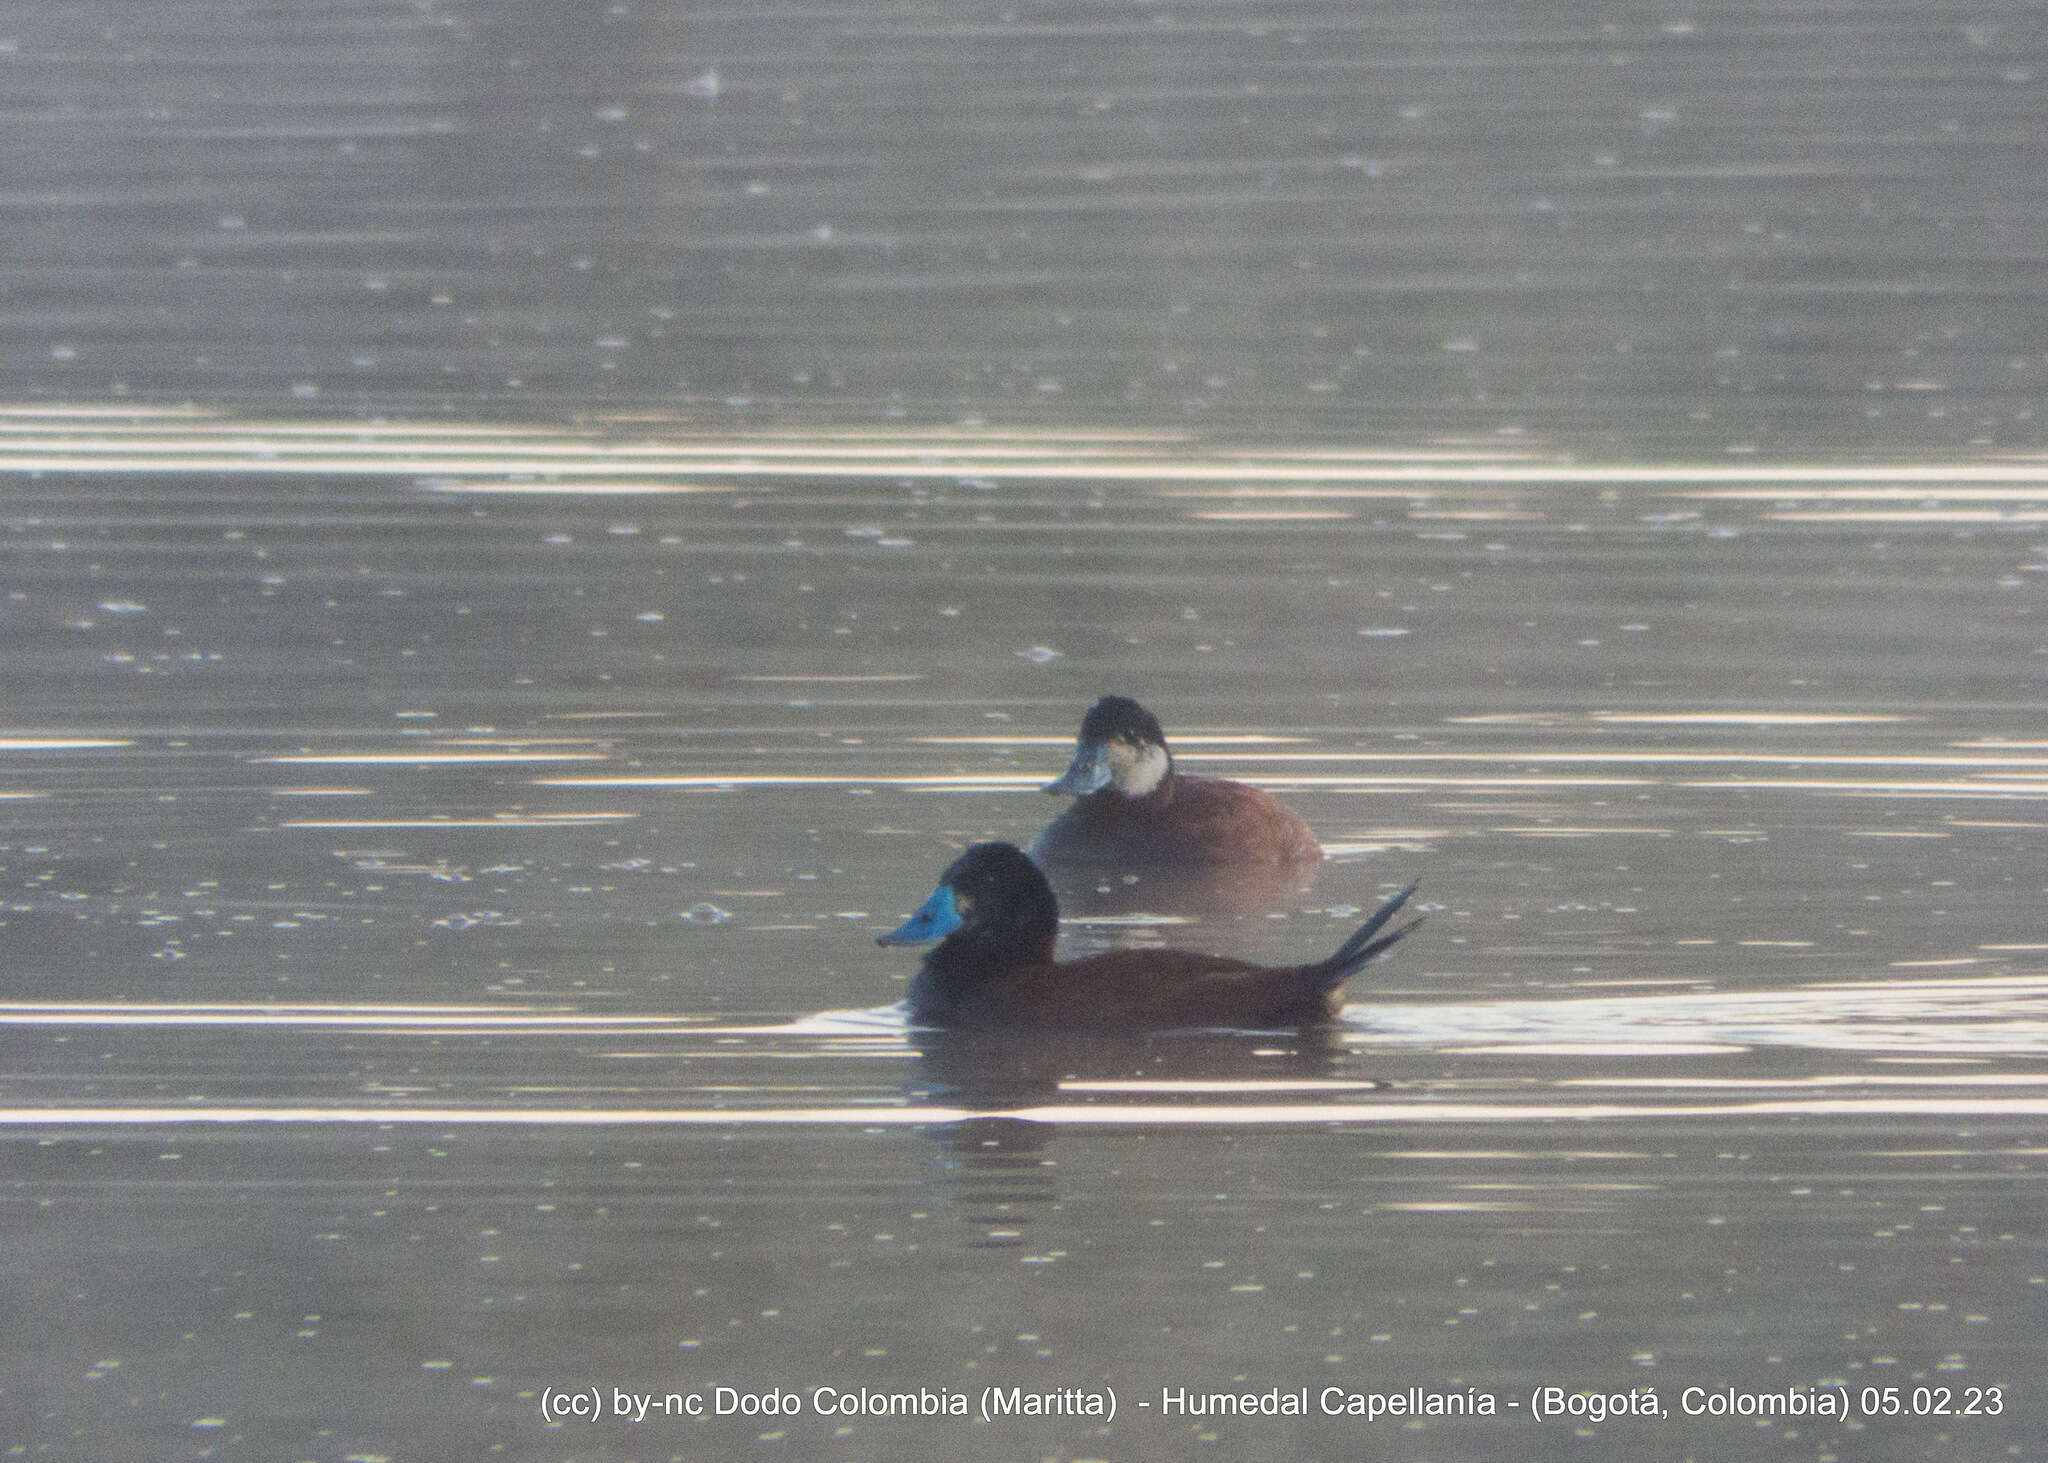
(442, 966)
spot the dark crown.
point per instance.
(1119, 717)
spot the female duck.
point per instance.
(1134, 808)
(996, 920)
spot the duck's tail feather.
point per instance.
(1355, 953)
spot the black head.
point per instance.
(992, 904)
(1119, 718)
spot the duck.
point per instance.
(996, 921)
(1132, 807)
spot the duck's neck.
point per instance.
(978, 954)
(951, 975)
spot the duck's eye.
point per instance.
(963, 904)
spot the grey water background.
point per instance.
(531, 533)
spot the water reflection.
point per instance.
(998, 1176)
(999, 1071)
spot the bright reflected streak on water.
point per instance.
(358, 1018)
(1904, 516)
(1013, 781)
(60, 744)
(621, 489)
(1994, 790)
(1198, 739)
(496, 820)
(1019, 782)
(1734, 1084)
(1078, 1116)
(429, 455)
(1929, 493)
(864, 680)
(1684, 718)
(1193, 1086)
(426, 759)
(1822, 759)
(2005, 1016)
(1247, 515)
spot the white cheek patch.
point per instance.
(1135, 771)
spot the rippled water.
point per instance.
(442, 889)
(1779, 228)
(529, 538)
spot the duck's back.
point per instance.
(1189, 820)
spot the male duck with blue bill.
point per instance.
(996, 921)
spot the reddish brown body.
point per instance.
(1185, 820)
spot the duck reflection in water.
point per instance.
(1143, 835)
(999, 1072)
(996, 921)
